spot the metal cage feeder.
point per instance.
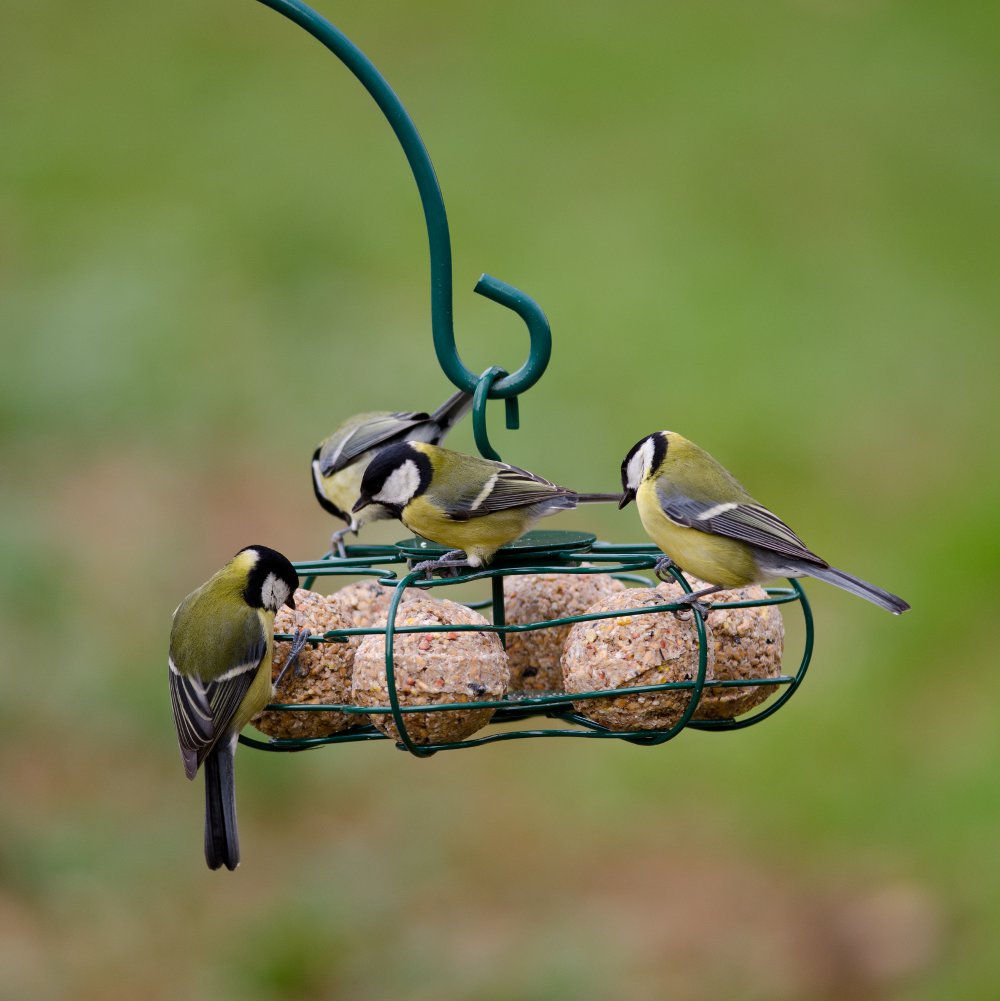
(539, 552)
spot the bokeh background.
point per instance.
(771, 226)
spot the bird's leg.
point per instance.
(337, 541)
(298, 644)
(662, 568)
(694, 598)
(454, 558)
(663, 564)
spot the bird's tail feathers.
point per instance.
(222, 841)
(884, 599)
(599, 498)
(452, 411)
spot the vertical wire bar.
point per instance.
(390, 670)
(699, 681)
(790, 689)
(499, 613)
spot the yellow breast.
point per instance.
(261, 690)
(478, 538)
(344, 488)
(713, 558)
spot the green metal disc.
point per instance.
(528, 547)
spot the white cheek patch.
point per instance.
(274, 592)
(400, 485)
(640, 464)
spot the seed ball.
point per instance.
(326, 666)
(366, 604)
(433, 668)
(629, 651)
(746, 642)
(535, 656)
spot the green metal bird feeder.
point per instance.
(556, 713)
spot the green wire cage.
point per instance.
(556, 713)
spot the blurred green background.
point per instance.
(771, 227)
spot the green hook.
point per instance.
(479, 397)
(442, 321)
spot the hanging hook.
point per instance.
(442, 320)
(479, 398)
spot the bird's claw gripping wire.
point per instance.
(662, 569)
(451, 564)
(701, 607)
(337, 547)
(298, 645)
(694, 599)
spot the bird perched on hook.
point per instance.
(339, 463)
(703, 519)
(221, 644)
(470, 504)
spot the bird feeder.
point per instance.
(552, 714)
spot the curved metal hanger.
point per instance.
(504, 387)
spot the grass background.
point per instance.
(772, 227)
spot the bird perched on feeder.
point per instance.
(339, 463)
(221, 644)
(704, 521)
(471, 504)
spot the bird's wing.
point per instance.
(342, 448)
(507, 487)
(209, 679)
(741, 520)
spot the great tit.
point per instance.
(473, 505)
(221, 643)
(339, 463)
(704, 521)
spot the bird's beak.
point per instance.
(360, 504)
(627, 499)
(290, 601)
